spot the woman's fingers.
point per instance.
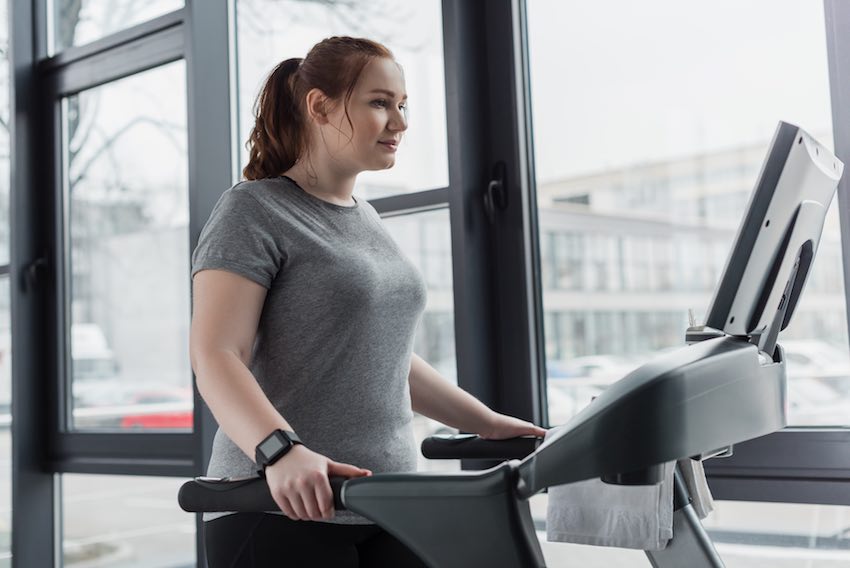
(307, 492)
(285, 506)
(346, 470)
(298, 507)
(325, 499)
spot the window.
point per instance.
(664, 163)
(112, 520)
(76, 22)
(270, 31)
(126, 174)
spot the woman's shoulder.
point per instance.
(253, 187)
(264, 193)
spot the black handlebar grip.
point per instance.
(238, 494)
(470, 446)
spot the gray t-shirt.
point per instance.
(335, 336)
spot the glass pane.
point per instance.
(426, 240)
(126, 168)
(270, 31)
(816, 340)
(746, 535)
(5, 422)
(125, 522)
(76, 22)
(640, 203)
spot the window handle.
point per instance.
(34, 272)
(496, 195)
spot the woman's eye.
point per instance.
(380, 103)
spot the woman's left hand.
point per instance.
(501, 427)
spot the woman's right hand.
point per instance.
(299, 483)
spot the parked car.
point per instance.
(159, 408)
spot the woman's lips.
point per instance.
(393, 146)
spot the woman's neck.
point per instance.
(323, 182)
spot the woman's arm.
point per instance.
(225, 313)
(437, 398)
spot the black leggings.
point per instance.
(260, 540)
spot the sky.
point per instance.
(616, 83)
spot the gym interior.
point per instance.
(573, 184)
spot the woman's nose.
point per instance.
(398, 122)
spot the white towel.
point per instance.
(693, 475)
(593, 512)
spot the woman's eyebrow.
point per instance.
(387, 92)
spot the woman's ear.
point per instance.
(318, 106)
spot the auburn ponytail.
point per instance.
(280, 134)
(275, 141)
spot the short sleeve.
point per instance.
(240, 237)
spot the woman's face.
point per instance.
(377, 109)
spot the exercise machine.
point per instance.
(728, 385)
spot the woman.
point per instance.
(304, 318)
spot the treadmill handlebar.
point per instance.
(251, 493)
(237, 494)
(470, 446)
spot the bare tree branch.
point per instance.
(68, 18)
(374, 19)
(110, 140)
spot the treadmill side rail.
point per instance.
(455, 520)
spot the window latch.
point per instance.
(496, 195)
(33, 272)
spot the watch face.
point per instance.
(271, 446)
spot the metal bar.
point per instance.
(690, 545)
(176, 467)
(408, 203)
(837, 15)
(512, 236)
(777, 490)
(496, 325)
(33, 492)
(213, 157)
(140, 445)
(129, 58)
(110, 43)
(467, 131)
(791, 453)
(535, 315)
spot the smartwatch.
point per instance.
(275, 446)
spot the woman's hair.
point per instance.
(279, 135)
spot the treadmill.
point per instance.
(726, 386)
